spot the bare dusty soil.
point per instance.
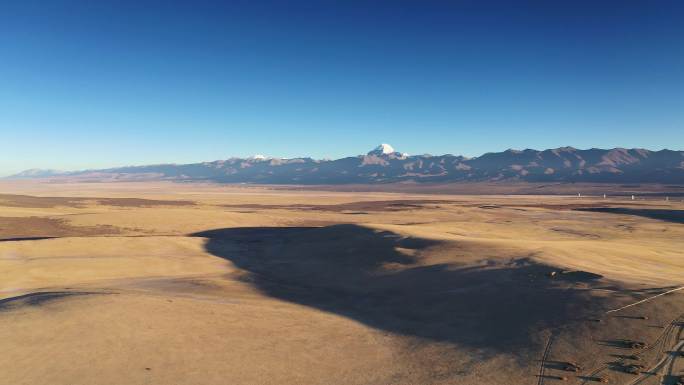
(160, 283)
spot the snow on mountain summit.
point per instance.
(383, 149)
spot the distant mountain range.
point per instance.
(383, 164)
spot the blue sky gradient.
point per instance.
(92, 84)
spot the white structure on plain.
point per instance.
(604, 196)
(632, 197)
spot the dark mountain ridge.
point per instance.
(384, 165)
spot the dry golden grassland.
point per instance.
(162, 283)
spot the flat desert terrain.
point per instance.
(192, 284)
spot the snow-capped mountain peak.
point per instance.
(383, 149)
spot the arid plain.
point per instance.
(171, 283)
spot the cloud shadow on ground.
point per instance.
(379, 278)
(675, 216)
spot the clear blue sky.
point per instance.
(85, 84)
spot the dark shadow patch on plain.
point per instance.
(46, 227)
(632, 317)
(556, 365)
(15, 200)
(578, 276)
(490, 207)
(139, 202)
(19, 239)
(632, 357)
(360, 273)
(675, 216)
(574, 232)
(621, 367)
(551, 377)
(618, 343)
(672, 379)
(350, 207)
(40, 298)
